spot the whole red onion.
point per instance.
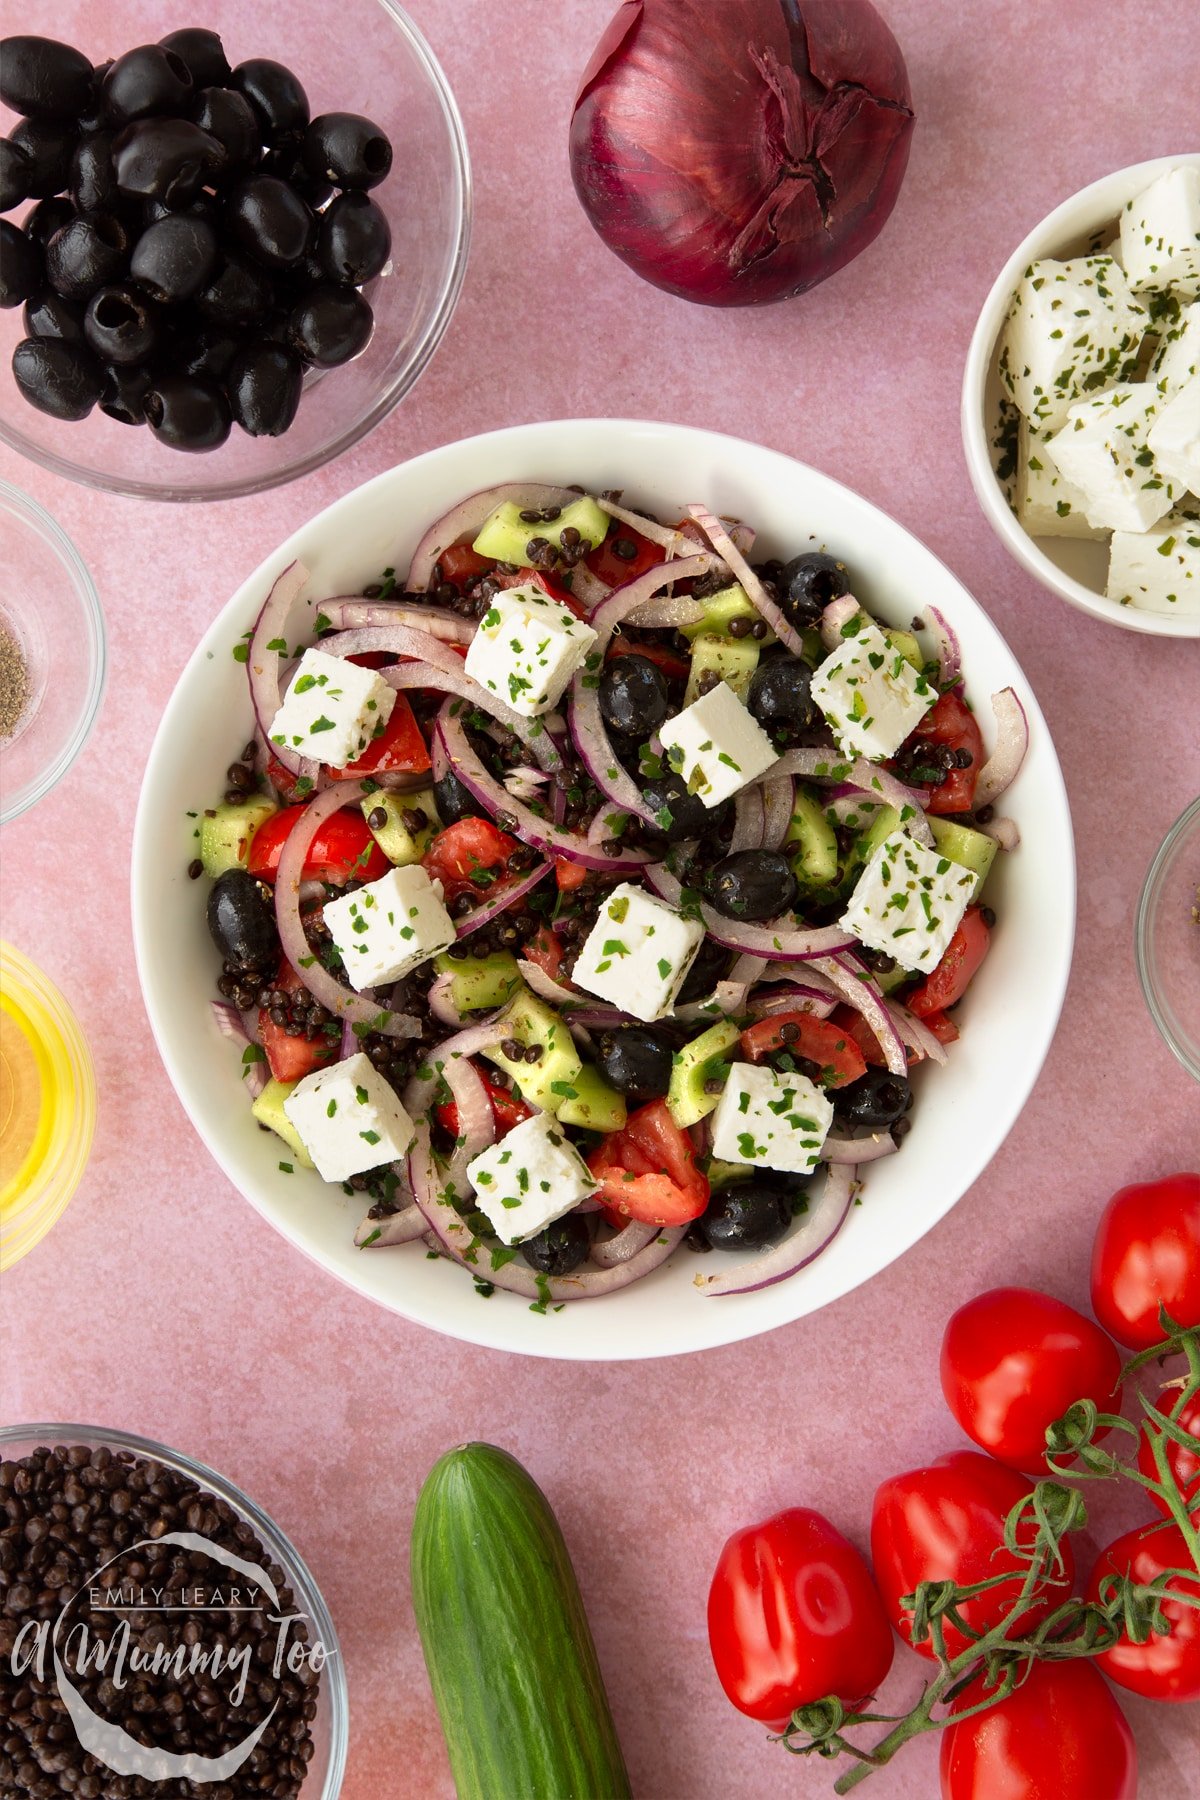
(739, 151)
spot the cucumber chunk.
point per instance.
(732, 660)
(811, 843)
(721, 609)
(225, 836)
(479, 983)
(398, 840)
(595, 1106)
(883, 822)
(555, 1076)
(963, 845)
(268, 1110)
(505, 535)
(706, 1058)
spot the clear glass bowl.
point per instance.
(331, 1726)
(1167, 939)
(49, 605)
(368, 57)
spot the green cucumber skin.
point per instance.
(507, 1643)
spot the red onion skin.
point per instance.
(741, 153)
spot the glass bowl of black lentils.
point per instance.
(228, 253)
(158, 1632)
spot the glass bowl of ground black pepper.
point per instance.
(160, 1634)
(52, 652)
(1167, 939)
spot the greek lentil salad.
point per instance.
(596, 887)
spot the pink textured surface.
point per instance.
(163, 1304)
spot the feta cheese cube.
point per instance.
(908, 902)
(1071, 326)
(1175, 436)
(526, 649)
(332, 709)
(716, 745)
(638, 953)
(1160, 235)
(770, 1121)
(1104, 449)
(386, 928)
(1158, 570)
(349, 1118)
(530, 1178)
(872, 696)
(1046, 503)
(1177, 358)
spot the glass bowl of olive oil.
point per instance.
(47, 1104)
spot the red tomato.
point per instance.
(1167, 1665)
(545, 950)
(342, 850)
(793, 1616)
(291, 1058)
(945, 1522)
(856, 1027)
(841, 1061)
(1060, 1736)
(670, 662)
(1146, 1253)
(1181, 1460)
(943, 1027)
(616, 570)
(460, 564)
(648, 1171)
(952, 723)
(569, 875)
(954, 974)
(400, 748)
(508, 1108)
(1013, 1361)
(469, 856)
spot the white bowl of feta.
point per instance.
(1088, 362)
(963, 1111)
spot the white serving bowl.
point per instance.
(1075, 569)
(963, 1112)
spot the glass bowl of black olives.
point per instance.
(225, 255)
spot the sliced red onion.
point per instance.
(627, 1242)
(778, 794)
(800, 998)
(812, 1232)
(859, 1150)
(777, 940)
(440, 1002)
(674, 541)
(669, 611)
(341, 1001)
(743, 536)
(1004, 832)
(915, 1033)
(231, 1025)
(466, 518)
(401, 1228)
(948, 648)
(861, 991)
(587, 588)
(537, 741)
(397, 638)
(758, 596)
(351, 614)
(747, 820)
(1012, 741)
(539, 833)
(476, 1120)
(349, 1043)
(419, 1094)
(838, 613)
(586, 1019)
(262, 662)
(821, 764)
(607, 823)
(525, 782)
(727, 998)
(500, 899)
(545, 987)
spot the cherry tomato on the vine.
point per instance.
(1167, 1665)
(1146, 1254)
(1060, 1736)
(1183, 1462)
(1013, 1361)
(793, 1616)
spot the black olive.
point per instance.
(752, 884)
(166, 159)
(229, 117)
(86, 254)
(47, 146)
(237, 293)
(709, 966)
(633, 694)
(20, 265)
(16, 173)
(202, 54)
(746, 1215)
(354, 240)
(636, 1061)
(60, 379)
(348, 150)
(285, 159)
(43, 78)
(876, 1099)
(121, 324)
(330, 325)
(781, 692)
(454, 800)
(94, 116)
(174, 259)
(48, 315)
(200, 348)
(807, 585)
(92, 183)
(146, 81)
(241, 920)
(47, 217)
(678, 814)
(187, 412)
(123, 393)
(560, 1248)
(274, 93)
(270, 222)
(263, 386)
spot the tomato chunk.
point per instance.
(951, 724)
(546, 952)
(648, 1170)
(292, 1058)
(470, 856)
(342, 850)
(817, 1040)
(399, 749)
(460, 564)
(569, 875)
(673, 666)
(614, 570)
(954, 974)
(508, 1108)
